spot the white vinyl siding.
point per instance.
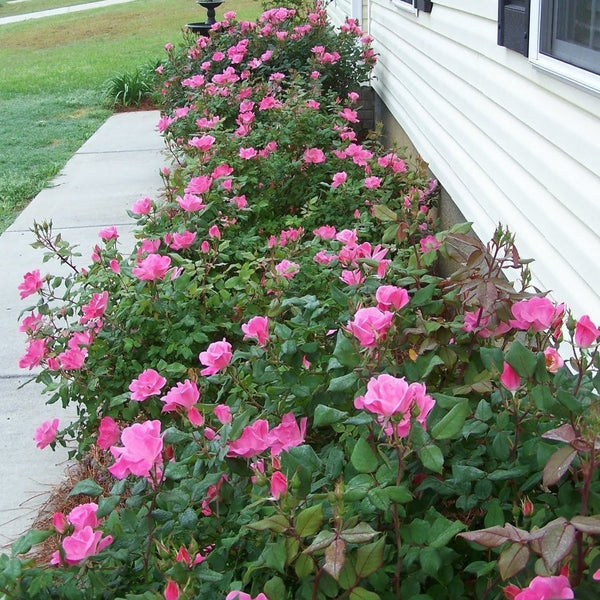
(508, 142)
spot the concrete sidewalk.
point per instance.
(117, 165)
(59, 11)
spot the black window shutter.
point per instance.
(513, 25)
(424, 5)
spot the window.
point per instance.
(570, 31)
(414, 5)
(561, 37)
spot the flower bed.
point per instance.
(296, 404)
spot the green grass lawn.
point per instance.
(51, 76)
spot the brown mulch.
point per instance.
(94, 465)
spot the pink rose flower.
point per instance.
(114, 265)
(429, 244)
(59, 522)
(325, 232)
(199, 185)
(95, 307)
(288, 434)
(247, 153)
(34, 354)
(32, 282)
(214, 232)
(553, 359)
(389, 296)
(314, 155)
(83, 543)
(586, 333)
(287, 269)
(108, 433)
(31, 323)
(510, 378)
(350, 115)
(45, 434)
(389, 396)
(243, 596)
(72, 359)
(223, 413)
(108, 233)
(339, 178)
(386, 396)
(184, 394)
(555, 587)
(142, 206)
(323, 258)
(190, 203)
(347, 236)
(278, 484)
(354, 277)
(216, 357)
(536, 313)
(154, 266)
(84, 515)
(148, 383)
(372, 183)
(257, 328)
(171, 590)
(254, 440)
(141, 450)
(183, 240)
(370, 325)
(203, 143)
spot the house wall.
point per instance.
(509, 143)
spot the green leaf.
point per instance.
(383, 213)
(326, 415)
(303, 566)
(342, 383)
(362, 594)
(30, 539)
(521, 359)
(107, 505)
(492, 359)
(309, 521)
(451, 424)
(275, 588)
(323, 539)
(430, 561)
(398, 493)
(345, 351)
(432, 458)
(443, 530)
(86, 487)
(369, 558)
(359, 534)
(275, 523)
(363, 458)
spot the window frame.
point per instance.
(577, 76)
(406, 5)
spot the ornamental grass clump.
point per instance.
(293, 402)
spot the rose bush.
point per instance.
(294, 402)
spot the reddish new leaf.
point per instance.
(557, 465)
(564, 433)
(513, 560)
(557, 544)
(335, 556)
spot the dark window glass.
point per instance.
(570, 31)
